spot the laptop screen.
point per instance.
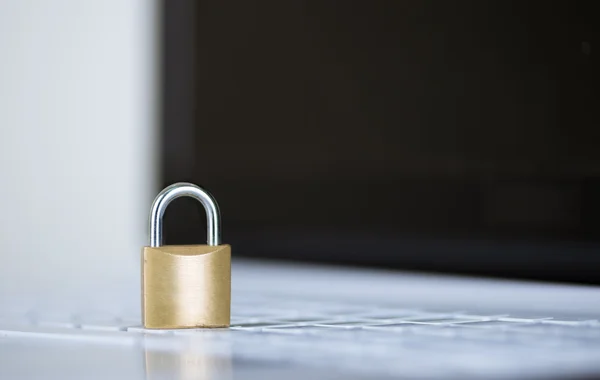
(419, 135)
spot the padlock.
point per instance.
(186, 286)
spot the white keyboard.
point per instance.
(302, 322)
(271, 332)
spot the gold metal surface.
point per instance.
(186, 286)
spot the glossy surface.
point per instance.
(311, 322)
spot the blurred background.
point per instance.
(79, 150)
(423, 135)
(429, 135)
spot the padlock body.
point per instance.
(186, 286)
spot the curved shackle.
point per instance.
(184, 189)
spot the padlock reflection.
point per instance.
(194, 357)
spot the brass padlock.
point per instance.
(186, 286)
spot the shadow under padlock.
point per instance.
(186, 286)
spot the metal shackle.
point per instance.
(184, 189)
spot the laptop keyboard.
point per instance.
(347, 338)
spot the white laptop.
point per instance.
(78, 167)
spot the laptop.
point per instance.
(398, 183)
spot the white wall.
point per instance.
(78, 107)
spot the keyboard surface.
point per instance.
(276, 334)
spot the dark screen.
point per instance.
(442, 136)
